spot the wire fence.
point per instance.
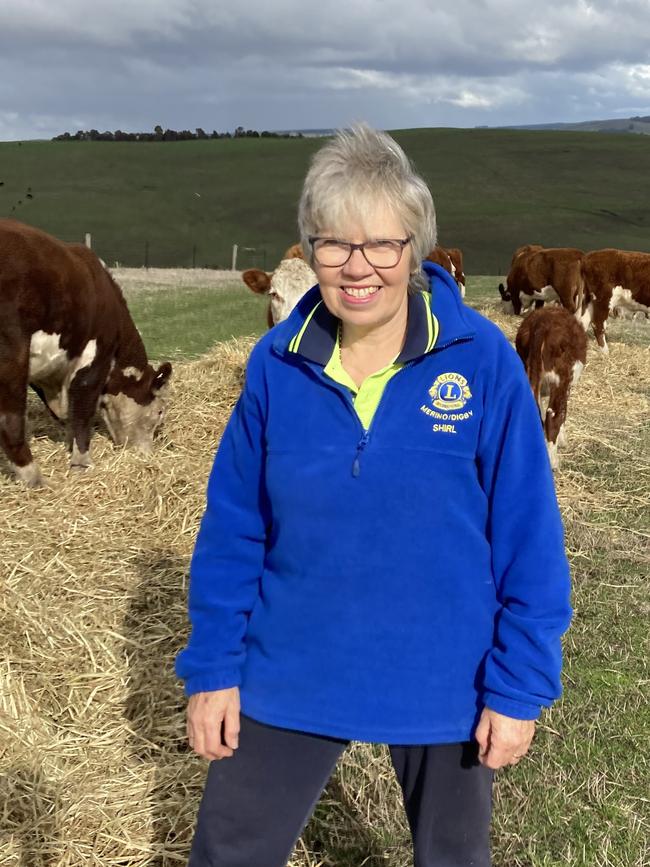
(145, 253)
(157, 254)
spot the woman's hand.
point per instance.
(213, 723)
(502, 740)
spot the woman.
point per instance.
(381, 556)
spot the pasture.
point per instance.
(93, 766)
(185, 204)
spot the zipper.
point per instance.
(347, 398)
(465, 339)
(363, 442)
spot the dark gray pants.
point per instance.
(256, 804)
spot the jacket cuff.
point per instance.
(211, 681)
(508, 707)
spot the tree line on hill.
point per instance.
(160, 134)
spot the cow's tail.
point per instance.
(535, 367)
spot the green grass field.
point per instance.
(177, 325)
(186, 324)
(185, 203)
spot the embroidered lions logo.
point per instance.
(450, 391)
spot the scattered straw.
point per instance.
(93, 764)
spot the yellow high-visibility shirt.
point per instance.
(365, 397)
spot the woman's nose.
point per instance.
(357, 264)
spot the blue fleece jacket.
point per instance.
(382, 585)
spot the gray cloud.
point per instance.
(188, 63)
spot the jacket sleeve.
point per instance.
(531, 572)
(228, 556)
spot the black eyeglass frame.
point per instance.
(401, 241)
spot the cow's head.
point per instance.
(554, 434)
(510, 301)
(285, 286)
(133, 405)
(290, 280)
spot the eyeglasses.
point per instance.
(332, 253)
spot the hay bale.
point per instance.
(93, 765)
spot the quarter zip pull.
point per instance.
(356, 468)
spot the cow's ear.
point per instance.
(502, 292)
(258, 281)
(295, 251)
(161, 376)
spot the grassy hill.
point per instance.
(185, 203)
(637, 125)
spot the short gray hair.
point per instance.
(350, 175)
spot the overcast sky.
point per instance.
(130, 64)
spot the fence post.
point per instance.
(88, 241)
(234, 257)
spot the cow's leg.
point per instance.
(585, 316)
(600, 307)
(600, 332)
(526, 303)
(13, 402)
(83, 395)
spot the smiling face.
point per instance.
(364, 297)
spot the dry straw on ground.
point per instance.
(93, 764)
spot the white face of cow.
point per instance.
(290, 280)
(130, 422)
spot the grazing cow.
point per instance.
(553, 347)
(285, 286)
(505, 293)
(544, 274)
(65, 330)
(451, 259)
(616, 281)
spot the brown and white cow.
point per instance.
(285, 286)
(543, 274)
(616, 281)
(553, 347)
(451, 259)
(65, 330)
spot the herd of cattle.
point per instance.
(587, 288)
(592, 286)
(65, 330)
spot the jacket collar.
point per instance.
(433, 322)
